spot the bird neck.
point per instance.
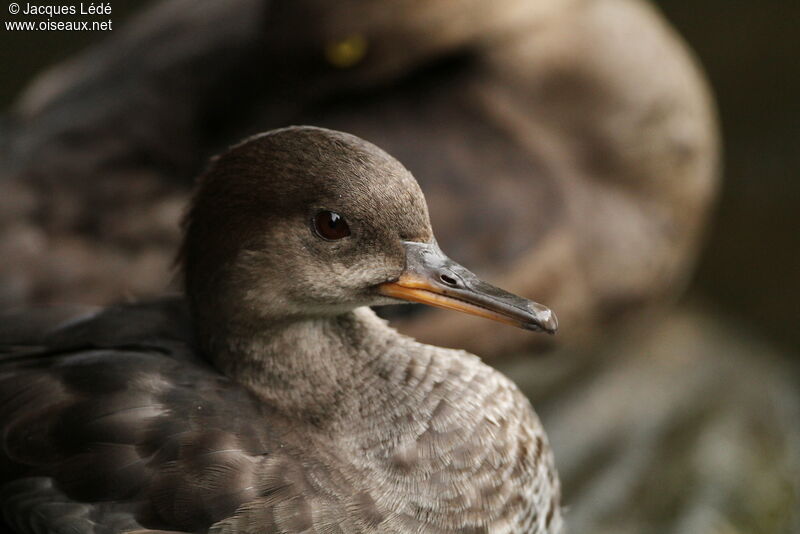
(321, 369)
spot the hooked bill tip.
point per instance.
(545, 319)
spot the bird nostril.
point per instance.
(450, 281)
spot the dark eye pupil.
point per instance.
(331, 225)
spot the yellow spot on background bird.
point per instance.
(346, 52)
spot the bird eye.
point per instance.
(330, 225)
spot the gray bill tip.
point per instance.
(544, 318)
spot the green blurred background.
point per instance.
(750, 266)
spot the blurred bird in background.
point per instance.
(568, 150)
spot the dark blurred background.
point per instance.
(750, 266)
(751, 262)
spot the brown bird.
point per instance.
(272, 399)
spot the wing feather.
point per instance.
(111, 420)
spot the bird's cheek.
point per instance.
(373, 271)
(392, 268)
